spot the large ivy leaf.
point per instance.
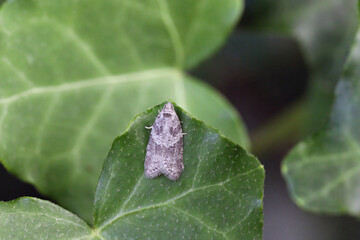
(323, 173)
(218, 196)
(73, 72)
(324, 31)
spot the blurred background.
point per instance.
(269, 78)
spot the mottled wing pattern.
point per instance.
(152, 164)
(164, 153)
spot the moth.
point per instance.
(164, 152)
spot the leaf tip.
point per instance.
(284, 169)
(300, 201)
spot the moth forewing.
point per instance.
(164, 152)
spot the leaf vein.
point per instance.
(332, 184)
(240, 222)
(173, 33)
(47, 215)
(2, 119)
(49, 112)
(132, 193)
(88, 126)
(324, 158)
(83, 45)
(17, 71)
(94, 82)
(165, 203)
(199, 220)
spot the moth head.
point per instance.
(168, 107)
(168, 110)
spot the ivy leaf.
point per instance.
(219, 193)
(73, 72)
(218, 196)
(324, 31)
(311, 23)
(31, 218)
(323, 172)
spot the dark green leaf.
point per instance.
(72, 73)
(323, 173)
(218, 196)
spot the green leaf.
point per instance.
(323, 172)
(218, 196)
(73, 72)
(31, 218)
(324, 31)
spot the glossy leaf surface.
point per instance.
(323, 172)
(73, 73)
(218, 196)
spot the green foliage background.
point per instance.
(218, 196)
(73, 73)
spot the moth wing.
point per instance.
(152, 164)
(173, 166)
